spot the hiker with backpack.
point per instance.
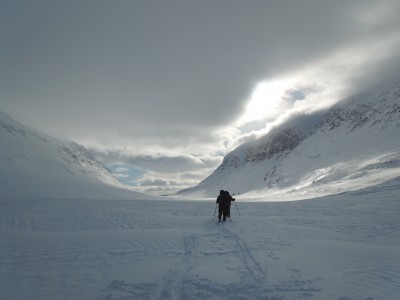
(224, 203)
(229, 199)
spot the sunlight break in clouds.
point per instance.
(311, 88)
(266, 100)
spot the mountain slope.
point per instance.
(352, 145)
(34, 165)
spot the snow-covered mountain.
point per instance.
(352, 145)
(35, 165)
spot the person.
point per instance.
(222, 205)
(229, 200)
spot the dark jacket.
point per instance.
(229, 198)
(224, 199)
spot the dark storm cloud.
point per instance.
(162, 63)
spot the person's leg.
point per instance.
(224, 212)
(219, 212)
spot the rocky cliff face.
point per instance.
(380, 110)
(275, 144)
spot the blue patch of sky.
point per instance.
(126, 174)
(297, 94)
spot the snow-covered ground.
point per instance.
(339, 247)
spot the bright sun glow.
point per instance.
(266, 100)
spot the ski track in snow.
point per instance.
(178, 283)
(251, 265)
(342, 247)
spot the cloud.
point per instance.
(191, 70)
(346, 72)
(121, 170)
(158, 163)
(161, 186)
(194, 176)
(159, 174)
(170, 87)
(121, 175)
(153, 182)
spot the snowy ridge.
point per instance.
(35, 165)
(351, 146)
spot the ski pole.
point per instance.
(215, 211)
(237, 209)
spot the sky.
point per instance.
(161, 90)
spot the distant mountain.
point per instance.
(35, 165)
(354, 144)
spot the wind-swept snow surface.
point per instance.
(339, 247)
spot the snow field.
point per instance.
(339, 247)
